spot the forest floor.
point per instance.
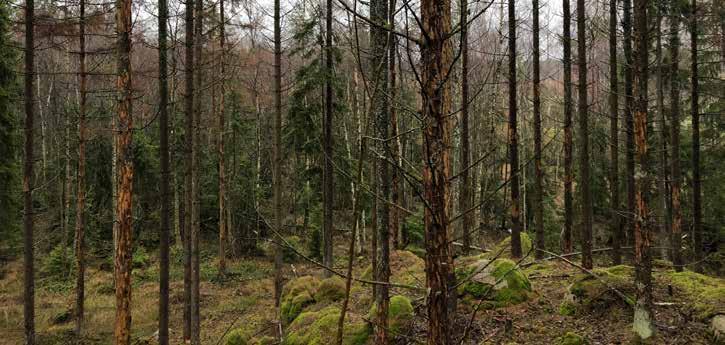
(245, 299)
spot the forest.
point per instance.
(362, 172)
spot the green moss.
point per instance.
(571, 338)
(320, 328)
(236, 337)
(567, 309)
(296, 295)
(505, 246)
(330, 290)
(405, 268)
(500, 281)
(707, 293)
(589, 290)
(400, 312)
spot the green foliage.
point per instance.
(9, 142)
(400, 313)
(315, 244)
(414, 229)
(141, 258)
(236, 337)
(571, 338)
(59, 264)
(567, 309)
(288, 254)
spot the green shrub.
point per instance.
(59, 265)
(288, 254)
(141, 258)
(315, 245)
(236, 337)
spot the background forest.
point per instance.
(382, 172)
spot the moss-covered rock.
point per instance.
(400, 313)
(707, 293)
(590, 291)
(320, 328)
(505, 246)
(296, 295)
(571, 338)
(500, 281)
(405, 268)
(330, 290)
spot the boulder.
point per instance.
(296, 295)
(499, 281)
(400, 313)
(320, 328)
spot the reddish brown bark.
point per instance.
(436, 57)
(124, 242)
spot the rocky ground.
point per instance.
(500, 301)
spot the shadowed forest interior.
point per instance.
(348, 172)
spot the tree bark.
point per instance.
(583, 110)
(81, 180)
(513, 136)
(165, 230)
(695, 108)
(566, 242)
(395, 172)
(663, 176)
(643, 325)
(379, 41)
(277, 155)
(464, 197)
(189, 66)
(538, 184)
(327, 176)
(195, 177)
(220, 147)
(436, 58)
(124, 242)
(628, 118)
(676, 237)
(616, 220)
(28, 242)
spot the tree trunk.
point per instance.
(513, 136)
(327, 176)
(220, 147)
(616, 220)
(566, 242)
(676, 237)
(189, 66)
(583, 110)
(124, 242)
(379, 107)
(538, 184)
(81, 192)
(662, 180)
(436, 58)
(464, 197)
(629, 121)
(277, 155)
(165, 176)
(195, 177)
(643, 325)
(28, 242)
(395, 172)
(695, 106)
